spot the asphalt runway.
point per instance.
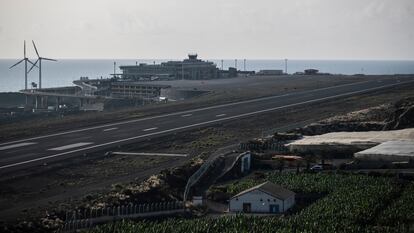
(19, 154)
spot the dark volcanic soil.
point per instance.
(67, 183)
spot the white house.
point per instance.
(263, 198)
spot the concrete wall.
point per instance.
(260, 202)
(245, 163)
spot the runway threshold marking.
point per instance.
(17, 145)
(110, 129)
(221, 115)
(198, 124)
(71, 146)
(186, 115)
(150, 129)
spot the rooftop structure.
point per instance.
(191, 68)
(263, 198)
(120, 88)
(270, 72)
(394, 151)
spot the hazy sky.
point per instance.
(254, 29)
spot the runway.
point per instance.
(33, 151)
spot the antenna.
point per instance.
(39, 59)
(286, 65)
(26, 60)
(114, 68)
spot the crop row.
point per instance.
(303, 183)
(401, 211)
(352, 205)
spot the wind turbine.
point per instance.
(26, 60)
(39, 59)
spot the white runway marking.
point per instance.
(221, 115)
(150, 129)
(110, 129)
(193, 110)
(79, 144)
(186, 115)
(197, 124)
(17, 145)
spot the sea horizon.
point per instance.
(65, 71)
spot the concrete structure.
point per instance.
(191, 68)
(270, 72)
(263, 198)
(119, 88)
(311, 71)
(197, 200)
(246, 161)
(391, 151)
(93, 95)
(136, 90)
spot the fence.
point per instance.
(195, 177)
(268, 145)
(89, 217)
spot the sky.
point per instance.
(221, 29)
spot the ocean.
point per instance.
(63, 72)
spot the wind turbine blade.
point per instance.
(35, 48)
(32, 62)
(33, 65)
(16, 64)
(24, 46)
(49, 59)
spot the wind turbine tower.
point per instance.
(26, 60)
(39, 59)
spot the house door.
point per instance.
(274, 208)
(247, 207)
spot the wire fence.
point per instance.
(87, 218)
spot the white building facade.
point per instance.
(264, 198)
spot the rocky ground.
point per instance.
(81, 182)
(390, 116)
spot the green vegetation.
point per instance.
(354, 203)
(300, 183)
(401, 211)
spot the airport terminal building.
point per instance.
(189, 69)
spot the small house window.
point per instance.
(261, 199)
(274, 200)
(268, 200)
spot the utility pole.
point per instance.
(222, 67)
(25, 67)
(286, 66)
(235, 63)
(114, 68)
(244, 64)
(182, 71)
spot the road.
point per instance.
(33, 151)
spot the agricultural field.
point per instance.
(353, 203)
